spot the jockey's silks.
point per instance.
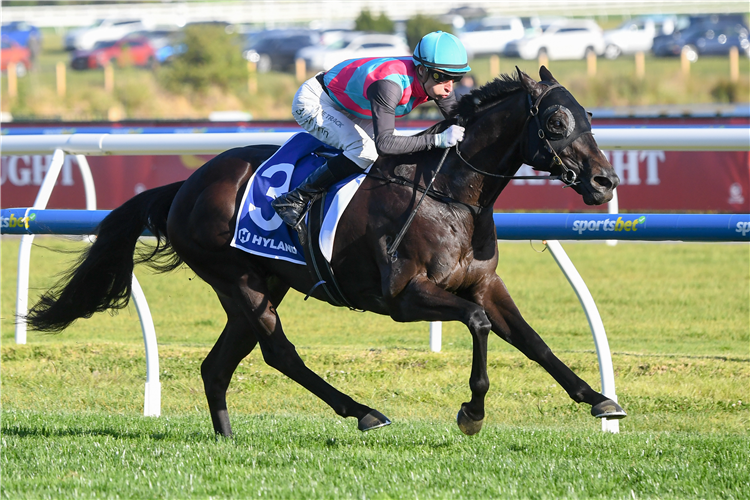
(348, 81)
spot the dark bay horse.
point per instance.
(444, 269)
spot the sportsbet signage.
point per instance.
(616, 225)
(20, 222)
(635, 227)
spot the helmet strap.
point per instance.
(423, 75)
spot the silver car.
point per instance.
(636, 35)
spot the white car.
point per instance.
(353, 45)
(636, 35)
(490, 35)
(104, 30)
(562, 39)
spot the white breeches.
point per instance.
(321, 117)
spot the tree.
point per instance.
(366, 22)
(419, 25)
(212, 57)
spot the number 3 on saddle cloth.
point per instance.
(261, 231)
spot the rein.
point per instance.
(568, 176)
(391, 249)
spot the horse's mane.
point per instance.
(488, 93)
(469, 104)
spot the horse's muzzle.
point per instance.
(599, 188)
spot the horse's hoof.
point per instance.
(608, 409)
(373, 420)
(468, 425)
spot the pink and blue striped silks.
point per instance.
(348, 81)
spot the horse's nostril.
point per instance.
(603, 182)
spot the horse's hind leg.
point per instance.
(280, 354)
(235, 343)
(508, 324)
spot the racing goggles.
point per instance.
(440, 77)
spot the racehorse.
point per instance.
(444, 268)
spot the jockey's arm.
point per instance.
(384, 96)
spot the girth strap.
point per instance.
(319, 267)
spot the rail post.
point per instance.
(12, 79)
(640, 65)
(60, 79)
(591, 63)
(494, 66)
(606, 372)
(734, 64)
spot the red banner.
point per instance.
(651, 181)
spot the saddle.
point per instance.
(260, 231)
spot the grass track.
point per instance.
(677, 317)
(294, 456)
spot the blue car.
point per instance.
(25, 35)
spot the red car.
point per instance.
(13, 52)
(129, 51)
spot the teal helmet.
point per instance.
(442, 51)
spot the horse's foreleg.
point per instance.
(425, 301)
(281, 354)
(509, 325)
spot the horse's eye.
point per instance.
(556, 123)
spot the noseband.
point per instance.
(568, 176)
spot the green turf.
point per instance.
(297, 456)
(677, 320)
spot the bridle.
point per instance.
(568, 176)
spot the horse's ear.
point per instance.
(531, 85)
(546, 76)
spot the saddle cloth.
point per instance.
(260, 230)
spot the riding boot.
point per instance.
(292, 206)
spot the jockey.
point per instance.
(354, 106)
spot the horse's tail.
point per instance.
(101, 279)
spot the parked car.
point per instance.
(705, 38)
(13, 52)
(561, 39)
(276, 50)
(136, 51)
(636, 35)
(25, 35)
(490, 35)
(353, 45)
(104, 30)
(174, 46)
(166, 43)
